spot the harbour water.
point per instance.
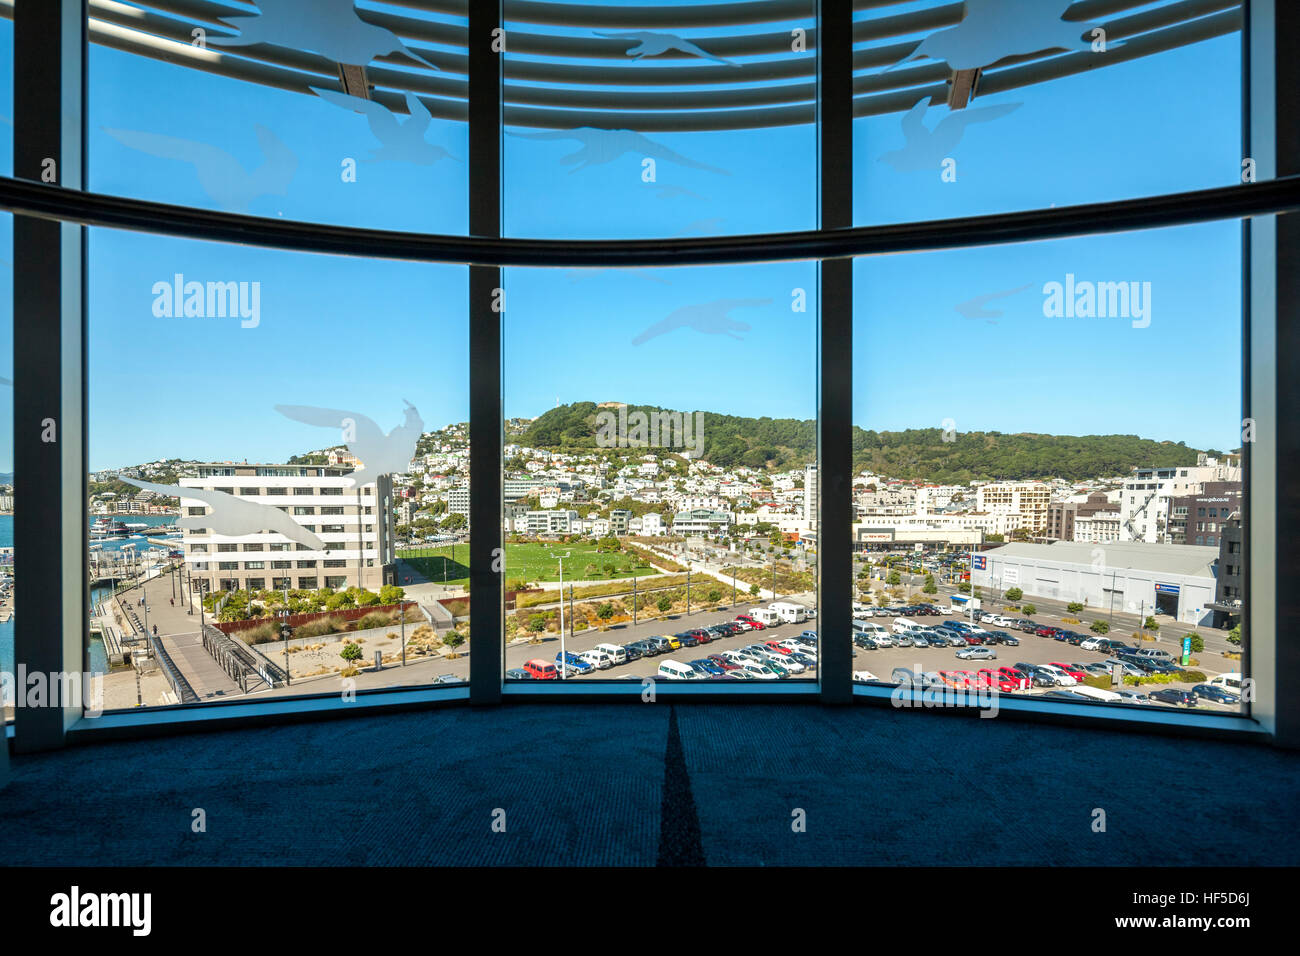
(98, 659)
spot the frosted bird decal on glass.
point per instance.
(233, 516)
(710, 318)
(653, 44)
(403, 140)
(221, 176)
(994, 29)
(600, 146)
(975, 308)
(328, 27)
(379, 454)
(926, 149)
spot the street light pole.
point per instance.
(564, 655)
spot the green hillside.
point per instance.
(779, 443)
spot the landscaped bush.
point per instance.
(375, 619)
(320, 627)
(262, 634)
(1074, 607)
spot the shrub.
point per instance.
(1198, 642)
(1014, 594)
(1069, 620)
(1234, 636)
(1030, 609)
(375, 619)
(537, 623)
(262, 634)
(350, 671)
(1100, 627)
(351, 652)
(320, 627)
(1151, 624)
(1074, 607)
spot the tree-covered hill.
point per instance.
(923, 453)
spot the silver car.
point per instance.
(978, 652)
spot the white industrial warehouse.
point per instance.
(1139, 578)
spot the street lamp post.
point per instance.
(564, 655)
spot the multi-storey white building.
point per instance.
(1029, 499)
(354, 523)
(1145, 497)
(1099, 526)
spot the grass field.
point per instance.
(530, 561)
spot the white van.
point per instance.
(765, 616)
(790, 613)
(869, 628)
(614, 651)
(902, 624)
(597, 658)
(1229, 682)
(676, 670)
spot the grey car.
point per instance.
(978, 652)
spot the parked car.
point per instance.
(1216, 694)
(575, 663)
(708, 667)
(676, 670)
(1070, 669)
(1126, 669)
(977, 653)
(539, 669)
(864, 677)
(1173, 695)
(751, 623)
(1063, 679)
(724, 662)
(449, 679)
(518, 673)
(997, 681)
(1002, 637)
(633, 651)
(1045, 631)
(687, 639)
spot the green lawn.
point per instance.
(535, 562)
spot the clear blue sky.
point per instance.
(364, 335)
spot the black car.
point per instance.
(633, 651)
(1027, 627)
(1162, 667)
(1170, 695)
(687, 639)
(864, 642)
(518, 673)
(1143, 663)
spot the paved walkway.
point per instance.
(204, 674)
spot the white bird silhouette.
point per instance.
(600, 146)
(711, 318)
(328, 27)
(221, 176)
(926, 148)
(974, 308)
(403, 142)
(653, 44)
(993, 29)
(380, 454)
(234, 516)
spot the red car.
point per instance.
(957, 679)
(704, 636)
(724, 663)
(1015, 676)
(1071, 670)
(776, 646)
(1046, 631)
(988, 678)
(973, 638)
(755, 625)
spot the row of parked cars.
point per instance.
(606, 656)
(771, 660)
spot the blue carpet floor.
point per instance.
(647, 784)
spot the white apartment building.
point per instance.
(355, 524)
(1101, 526)
(551, 521)
(810, 496)
(458, 500)
(1145, 497)
(1029, 499)
(652, 524)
